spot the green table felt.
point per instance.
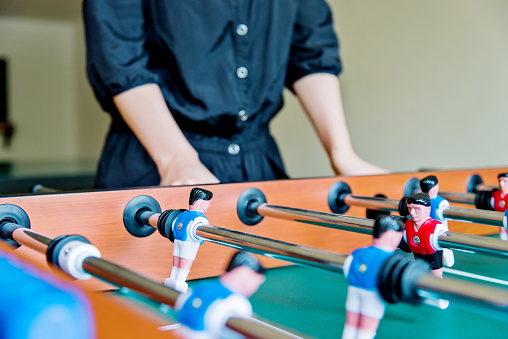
(311, 302)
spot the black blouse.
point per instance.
(221, 64)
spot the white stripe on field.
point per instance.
(169, 327)
(476, 276)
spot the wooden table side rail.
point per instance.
(97, 215)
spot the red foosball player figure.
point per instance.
(500, 200)
(364, 305)
(186, 243)
(438, 204)
(205, 308)
(421, 233)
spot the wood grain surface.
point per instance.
(98, 216)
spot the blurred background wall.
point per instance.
(425, 86)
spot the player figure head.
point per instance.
(200, 199)
(387, 232)
(418, 206)
(244, 274)
(503, 182)
(430, 185)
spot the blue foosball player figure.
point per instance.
(35, 305)
(205, 308)
(438, 204)
(186, 243)
(364, 305)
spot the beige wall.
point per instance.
(41, 68)
(50, 103)
(424, 86)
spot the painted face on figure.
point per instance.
(246, 281)
(419, 213)
(503, 185)
(251, 285)
(201, 205)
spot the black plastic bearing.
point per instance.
(398, 279)
(482, 200)
(336, 196)
(246, 207)
(56, 245)
(132, 211)
(165, 223)
(386, 285)
(12, 217)
(409, 287)
(472, 182)
(412, 186)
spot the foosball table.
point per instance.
(296, 230)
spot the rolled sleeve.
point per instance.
(315, 48)
(116, 55)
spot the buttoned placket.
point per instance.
(242, 72)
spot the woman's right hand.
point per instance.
(185, 172)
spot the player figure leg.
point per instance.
(184, 253)
(364, 310)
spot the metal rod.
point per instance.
(126, 278)
(461, 290)
(481, 245)
(301, 255)
(29, 238)
(485, 217)
(381, 204)
(337, 221)
(470, 197)
(448, 288)
(121, 276)
(41, 189)
(462, 198)
(103, 269)
(317, 258)
(483, 187)
(257, 329)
